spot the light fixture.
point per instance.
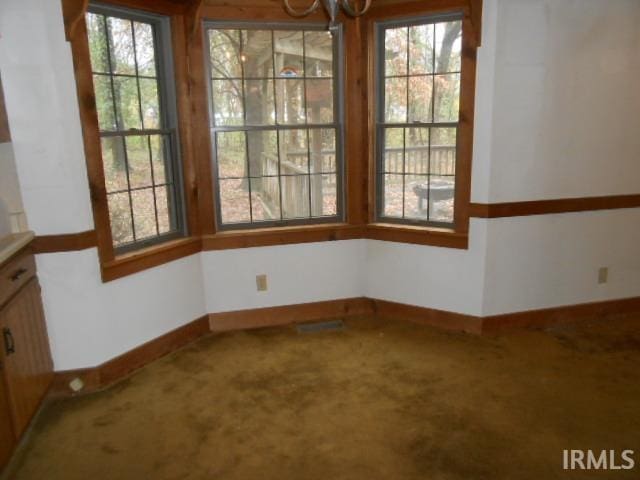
(332, 7)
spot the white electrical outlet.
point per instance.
(261, 283)
(603, 275)
(76, 385)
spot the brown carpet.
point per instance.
(380, 400)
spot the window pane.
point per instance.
(115, 166)
(272, 90)
(294, 153)
(257, 55)
(295, 196)
(394, 150)
(290, 98)
(417, 177)
(97, 43)
(417, 151)
(392, 199)
(139, 168)
(259, 102)
(421, 49)
(395, 52)
(120, 217)
(289, 53)
(166, 217)
(318, 53)
(395, 109)
(224, 46)
(120, 37)
(448, 46)
(234, 201)
(322, 146)
(263, 153)
(447, 97)
(231, 154)
(416, 197)
(443, 151)
(160, 154)
(323, 195)
(104, 102)
(127, 103)
(420, 98)
(150, 103)
(139, 161)
(145, 49)
(320, 101)
(441, 191)
(144, 213)
(265, 198)
(227, 102)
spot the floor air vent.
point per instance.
(320, 326)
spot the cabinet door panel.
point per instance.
(7, 438)
(28, 367)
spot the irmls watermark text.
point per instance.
(598, 460)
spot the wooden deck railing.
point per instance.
(294, 183)
(442, 162)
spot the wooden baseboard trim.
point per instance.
(429, 316)
(108, 373)
(555, 206)
(289, 314)
(551, 316)
(68, 242)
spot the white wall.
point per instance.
(90, 322)
(303, 273)
(566, 105)
(12, 218)
(41, 102)
(553, 260)
(565, 124)
(441, 278)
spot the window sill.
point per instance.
(281, 236)
(134, 262)
(436, 237)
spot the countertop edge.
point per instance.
(13, 243)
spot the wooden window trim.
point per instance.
(456, 237)
(117, 265)
(191, 93)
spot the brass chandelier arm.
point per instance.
(352, 11)
(294, 13)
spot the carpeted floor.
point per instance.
(379, 400)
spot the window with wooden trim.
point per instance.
(135, 99)
(276, 124)
(418, 65)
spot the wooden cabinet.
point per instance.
(26, 367)
(7, 437)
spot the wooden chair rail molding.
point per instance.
(67, 242)
(277, 236)
(114, 370)
(549, 207)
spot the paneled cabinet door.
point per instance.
(27, 362)
(7, 438)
